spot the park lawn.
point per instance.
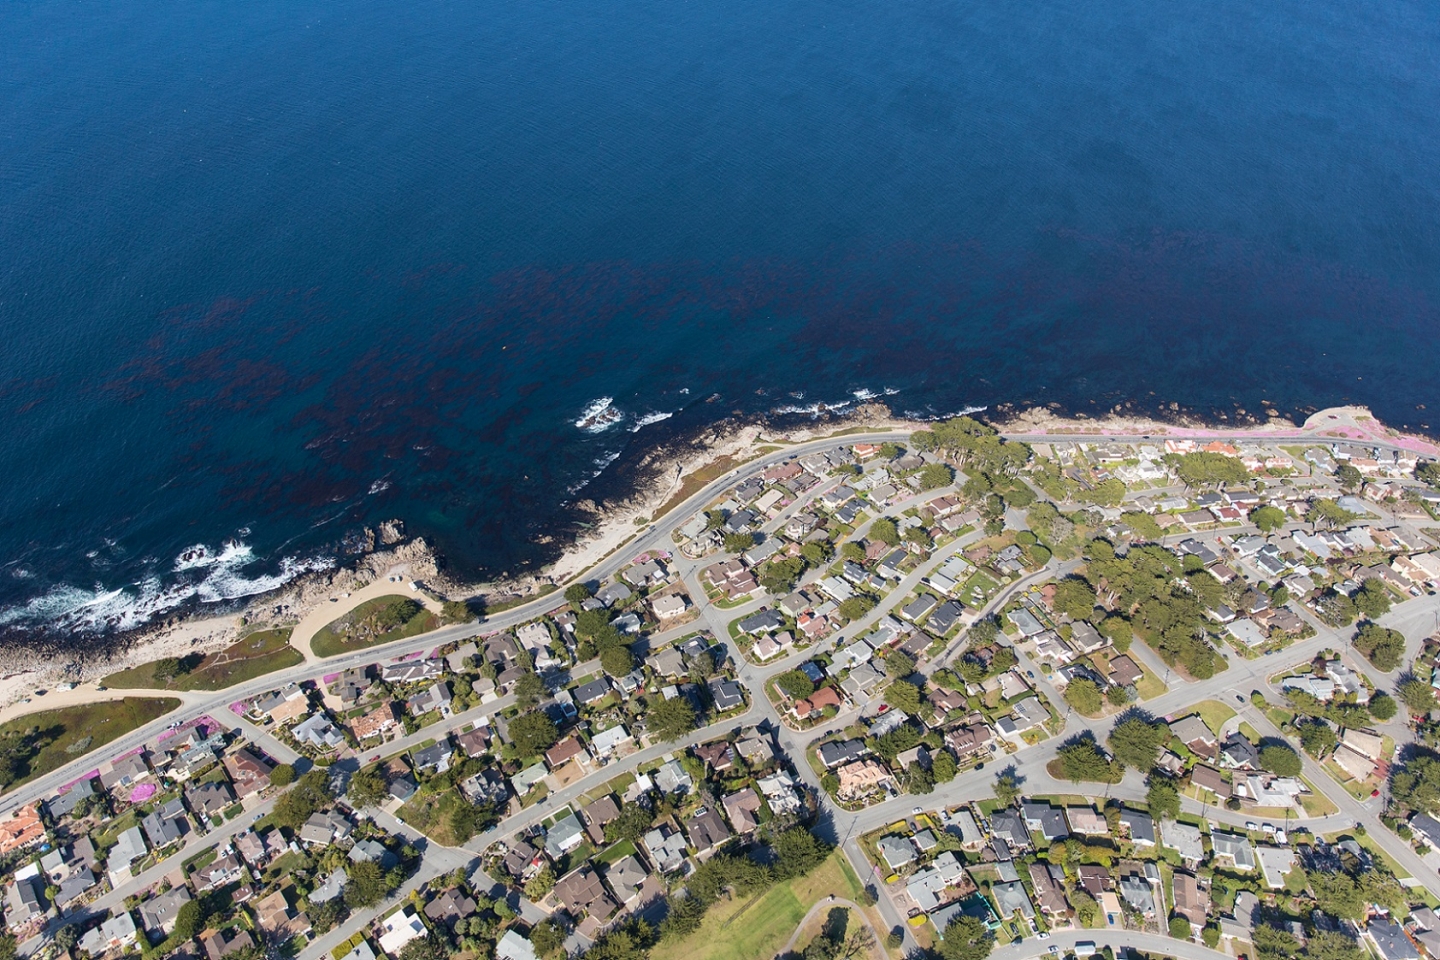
(1214, 713)
(262, 652)
(759, 927)
(331, 641)
(70, 732)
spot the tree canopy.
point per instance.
(1382, 646)
(533, 733)
(1202, 469)
(1136, 742)
(671, 719)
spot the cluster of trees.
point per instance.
(1141, 588)
(1328, 513)
(1135, 741)
(597, 636)
(19, 747)
(1348, 895)
(1082, 759)
(1381, 646)
(1339, 609)
(1416, 785)
(966, 939)
(309, 795)
(1272, 943)
(779, 575)
(1208, 469)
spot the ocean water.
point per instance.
(273, 270)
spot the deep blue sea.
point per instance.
(276, 269)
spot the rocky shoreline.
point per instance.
(650, 481)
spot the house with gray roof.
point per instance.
(1011, 898)
(1047, 820)
(1141, 827)
(129, 847)
(565, 835)
(1138, 892)
(157, 915)
(897, 851)
(167, 824)
(666, 849)
(1184, 839)
(1009, 826)
(64, 804)
(1235, 848)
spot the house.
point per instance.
(726, 694)
(1048, 881)
(166, 824)
(1025, 715)
(1192, 901)
(599, 812)
(582, 893)
(520, 857)
(627, 878)
(1139, 893)
(248, 773)
(592, 692)
(432, 698)
(474, 742)
(324, 828)
(608, 742)
(1094, 879)
(571, 748)
(1047, 820)
(820, 700)
(64, 804)
(1427, 828)
(1354, 763)
(376, 723)
(614, 593)
(1235, 848)
(450, 906)
(718, 755)
(1275, 863)
(1238, 753)
(564, 835)
(666, 849)
(157, 915)
(707, 832)
(1141, 827)
(1390, 940)
(896, 850)
(434, 758)
(1124, 672)
(1011, 898)
(669, 606)
(672, 778)
(512, 946)
(352, 685)
(330, 887)
(288, 703)
(278, 920)
(116, 933)
(970, 740)
(129, 847)
(318, 732)
(1024, 622)
(22, 830)
(1192, 731)
(24, 902)
(781, 793)
(1268, 791)
(209, 800)
(400, 928)
(861, 777)
(1009, 826)
(1184, 839)
(414, 671)
(1086, 820)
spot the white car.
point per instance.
(1251, 825)
(1044, 936)
(917, 811)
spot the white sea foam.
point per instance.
(599, 416)
(813, 409)
(648, 419)
(379, 486)
(68, 607)
(891, 391)
(864, 393)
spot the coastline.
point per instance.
(657, 477)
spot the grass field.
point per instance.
(1214, 713)
(253, 656)
(1149, 686)
(747, 929)
(693, 483)
(336, 637)
(63, 735)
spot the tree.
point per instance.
(1006, 789)
(1074, 597)
(630, 824)
(1268, 518)
(899, 664)
(966, 939)
(671, 719)
(1350, 478)
(1382, 646)
(365, 885)
(540, 885)
(936, 475)
(578, 593)
(367, 788)
(617, 660)
(1280, 760)
(1200, 469)
(739, 542)
(282, 775)
(1210, 936)
(1372, 599)
(1332, 945)
(455, 611)
(429, 947)
(1382, 706)
(1329, 513)
(919, 780)
(943, 766)
(1081, 759)
(816, 552)
(903, 695)
(309, 794)
(65, 938)
(547, 938)
(1317, 737)
(797, 851)
(856, 607)
(1417, 695)
(1084, 695)
(1162, 796)
(1180, 928)
(167, 669)
(530, 688)
(885, 531)
(850, 550)
(1117, 695)
(1417, 784)
(533, 733)
(795, 684)
(1136, 742)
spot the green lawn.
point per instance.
(759, 927)
(253, 656)
(70, 732)
(339, 637)
(978, 589)
(1214, 713)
